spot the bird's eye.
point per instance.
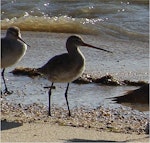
(79, 40)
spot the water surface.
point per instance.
(125, 19)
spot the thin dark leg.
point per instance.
(49, 93)
(6, 89)
(66, 96)
(4, 78)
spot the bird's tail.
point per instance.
(41, 70)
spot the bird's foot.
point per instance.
(52, 87)
(69, 114)
(6, 92)
(49, 114)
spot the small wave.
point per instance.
(65, 24)
(62, 24)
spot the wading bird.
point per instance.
(13, 48)
(66, 67)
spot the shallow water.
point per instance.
(125, 63)
(124, 19)
(28, 91)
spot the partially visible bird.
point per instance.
(66, 67)
(140, 95)
(13, 48)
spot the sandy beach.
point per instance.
(26, 122)
(46, 132)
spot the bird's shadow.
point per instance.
(5, 125)
(86, 140)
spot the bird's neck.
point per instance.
(76, 56)
(74, 51)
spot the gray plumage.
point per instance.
(13, 48)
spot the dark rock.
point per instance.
(31, 72)
(107, 80)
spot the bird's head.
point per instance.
(14, 33)
(75, 41)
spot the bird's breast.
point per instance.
(12, 52)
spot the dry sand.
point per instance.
(46, 132)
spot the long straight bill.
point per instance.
(23, 41)
(88, 45)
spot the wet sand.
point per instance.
(130, 61)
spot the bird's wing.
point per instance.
(57, 63)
